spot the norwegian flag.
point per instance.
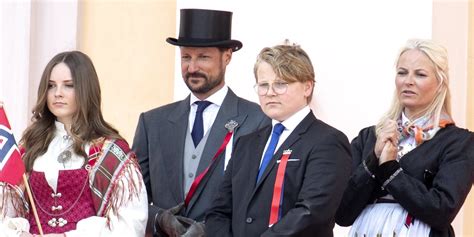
(12, 167)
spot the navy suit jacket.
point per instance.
(315, 179)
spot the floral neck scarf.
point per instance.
(415, 133)
(422, 129)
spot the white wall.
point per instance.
(450, 28)
(32, 32)
(53, 30)
(352, 44)
(14, 54)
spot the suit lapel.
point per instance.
(253, 163)
(227, 112)
(177, 135)
(292, 139)
(262, 138)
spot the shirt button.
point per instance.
(193, 156)
(249, 220)
(191, 175)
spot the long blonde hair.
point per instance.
(438, 55)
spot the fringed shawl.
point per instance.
(112, 166)
(12, 199)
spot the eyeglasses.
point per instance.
(279, 87)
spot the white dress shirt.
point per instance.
(290, 124)
(209, 115)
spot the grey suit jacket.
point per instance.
(159, 145)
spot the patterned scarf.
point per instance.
(110, 162)
(422, 129)
(415, 133)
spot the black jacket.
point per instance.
(436, 178)
(314, 182)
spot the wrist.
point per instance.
(377, 154)
(386, 170)
(370, 164)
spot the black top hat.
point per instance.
(205, 28)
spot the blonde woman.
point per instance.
(414, 169)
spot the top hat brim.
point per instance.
(233, 44)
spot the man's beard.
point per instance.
(208, 84)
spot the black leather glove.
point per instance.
(193, 228)
(171, 224)
(167, 223)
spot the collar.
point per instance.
(217, 98)
(420, 122)
(60, 129)
(295, 119)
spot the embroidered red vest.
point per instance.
(59, 212)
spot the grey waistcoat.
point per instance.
(192, 158)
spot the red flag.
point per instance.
(12, 167)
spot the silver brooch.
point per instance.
(231, 125)
(64, 156)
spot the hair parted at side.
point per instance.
(441, 103)
(289, 61)
(88, 123)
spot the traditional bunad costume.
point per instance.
(103, 196)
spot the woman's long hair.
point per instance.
(87, 123)
(442, 101)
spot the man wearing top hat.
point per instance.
(183, 147)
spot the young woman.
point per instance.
(414, 169)
(83, 176)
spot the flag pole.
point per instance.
(25, 180)
(33, 207)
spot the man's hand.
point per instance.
(173, 225)
(169, 224)
(196, 229)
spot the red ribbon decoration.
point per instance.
(277, 188)
(199, 178)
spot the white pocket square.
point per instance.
(289, 160)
